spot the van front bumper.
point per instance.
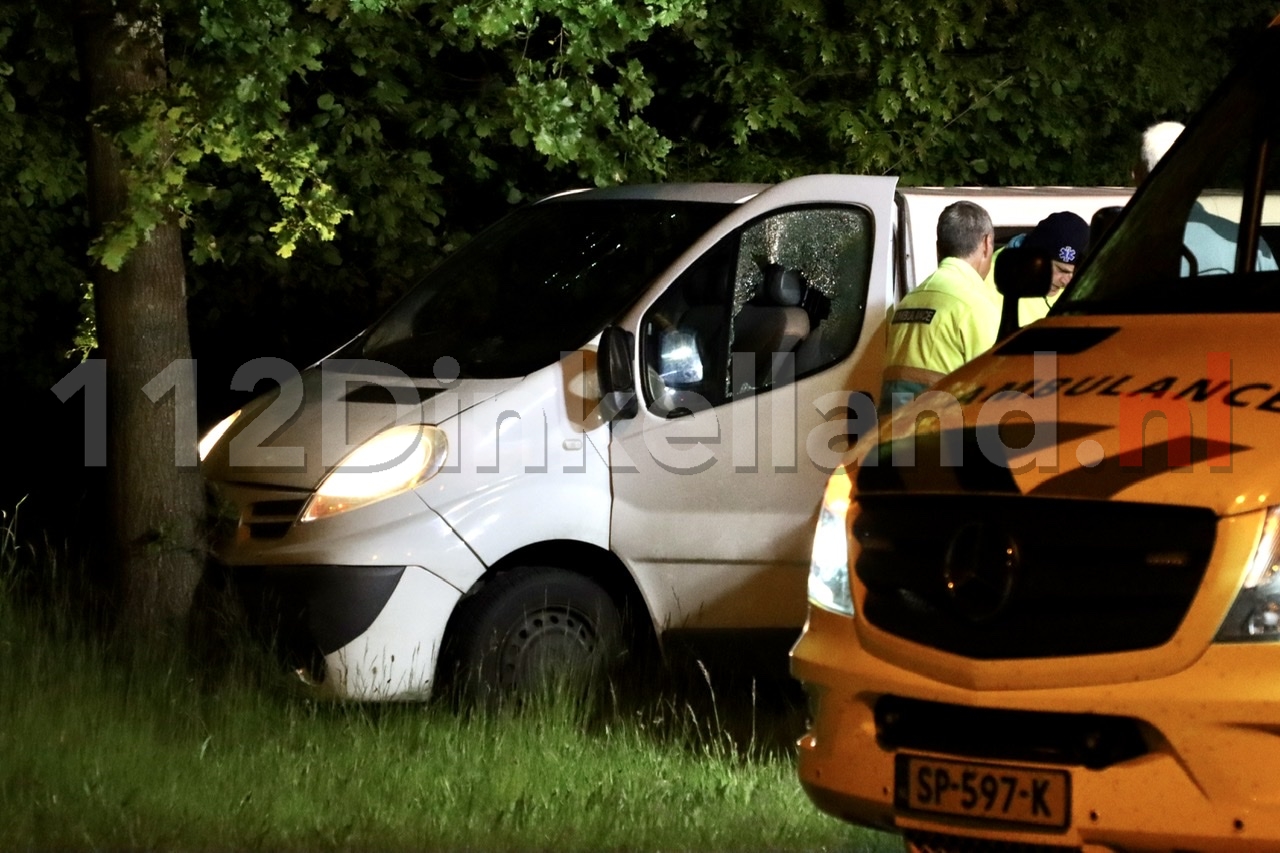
(356, 604)
(351, 632)
(1202, 779)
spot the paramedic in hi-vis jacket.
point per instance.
(951, 317)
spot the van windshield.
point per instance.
(1203, 233)
(540, 282)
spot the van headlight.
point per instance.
(393, 461)
(1255, 615)
(213, 436)
(829, 561)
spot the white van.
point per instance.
(454, 478)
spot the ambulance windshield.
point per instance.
(1203, 233)
(540, 282)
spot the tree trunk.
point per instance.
(156, 506)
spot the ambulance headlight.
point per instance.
(829, 562)
(393, 461)
(213, 436)
(1255, 615)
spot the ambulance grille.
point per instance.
(995, 577)
(1095, 741)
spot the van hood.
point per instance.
(294, 435)
(1151, 409)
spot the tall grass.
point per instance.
(98, 754)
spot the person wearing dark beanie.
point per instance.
(1065, 236)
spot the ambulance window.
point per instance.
(1202, 234)
(778, 300)
(1211, 233)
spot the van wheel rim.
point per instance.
(547, 642)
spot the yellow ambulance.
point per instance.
(1045, 597)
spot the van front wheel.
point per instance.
(538, 629)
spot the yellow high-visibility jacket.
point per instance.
(951, 318)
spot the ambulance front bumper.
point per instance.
(1187, 761)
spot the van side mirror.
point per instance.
(617, 379)
(1021, 272)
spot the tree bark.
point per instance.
(156, 506)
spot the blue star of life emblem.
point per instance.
(1067, 255)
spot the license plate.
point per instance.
(989, 792)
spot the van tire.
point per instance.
(537, 629)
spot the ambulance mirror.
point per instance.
(1101, 221)
(1023, 272)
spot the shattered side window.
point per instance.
(801, 290)
(780, 299)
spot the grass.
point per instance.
(99, 753)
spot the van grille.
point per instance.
(272, 519)
(1001, 577)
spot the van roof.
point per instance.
(1015, 192)
(720, 193)
(1003, 198)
